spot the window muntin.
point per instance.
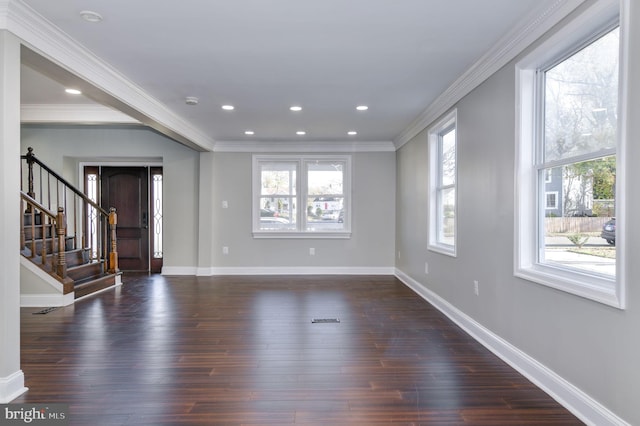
(575, 154)
(318, 184)
(442, 219)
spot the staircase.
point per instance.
(81, 258)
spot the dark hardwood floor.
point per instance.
(243, 351)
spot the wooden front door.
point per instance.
(127, 189)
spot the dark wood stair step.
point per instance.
(93, 284)
(38, 231)
(77, 257)
(50, 244)
(87, 270)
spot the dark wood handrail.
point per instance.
(36, 204)
(31, 158)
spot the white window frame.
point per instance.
(442, 127)
(555, 198)
(301, 230)
(527, 242)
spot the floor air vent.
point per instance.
(45, 311)
(324, 320)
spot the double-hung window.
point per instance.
(301, 196)
(443, 180)
(566, 166)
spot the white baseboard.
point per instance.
(572, 398)
(12, 387)
(179, 270)
(296, 270)
(46, 300)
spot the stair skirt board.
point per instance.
(39, 289)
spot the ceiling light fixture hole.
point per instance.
(91, 16)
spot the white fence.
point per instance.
(574, 224)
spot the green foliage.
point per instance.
(578, 239)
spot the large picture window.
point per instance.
(567, 171)
(443, 180)
(301, 196)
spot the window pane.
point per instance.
(325, 178)
(278, 178)
(581, 98)
(581, 236)
(446, 226)
(325, 213)
(448, 155)
(157, 216)
(92, 215)
(277, 213)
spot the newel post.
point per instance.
(113, 254)
(30, 161)
(61, 233)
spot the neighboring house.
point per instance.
(567, 197)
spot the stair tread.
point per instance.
(92, 278)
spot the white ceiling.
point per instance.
(328, 56)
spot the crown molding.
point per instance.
(303, 147)
(107, 85)
(507, 48)
(73, 114)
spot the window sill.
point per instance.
(599, 289)
(301, 235)
(443, 249)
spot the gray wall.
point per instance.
(373, 229)
(593, 346)
(195, 225)
(64, 147)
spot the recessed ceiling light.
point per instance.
(362, 107)
(91, 16)
(352, 133)
(73, 91)
(249, 132)
(296, 108)
(301, 133)
(228, 107)
(191, 100)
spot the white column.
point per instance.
(206, 210)
(11, 377)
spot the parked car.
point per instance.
(330, 215)
(268, 213)
(609, 231)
